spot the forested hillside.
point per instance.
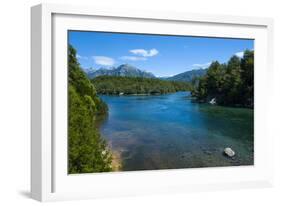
(231, 84)
(188, 76)
(87, 151)
(136, 85)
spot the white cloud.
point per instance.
(133, 58)
(81, 57)
(204, 66)
(144, 53)
(240, 54)
(103, 60)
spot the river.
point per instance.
(171, 131)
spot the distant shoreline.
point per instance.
(143, 94)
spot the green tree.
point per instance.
(247, 76)
(87, 151)
(231, 89)
(231, 84)
(215, 80)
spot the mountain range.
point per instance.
(187, 76)
(124, 70)
(131, 71)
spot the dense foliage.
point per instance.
(231, 84)
(136, 85)
(87, 151)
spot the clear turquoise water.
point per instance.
(170, 131)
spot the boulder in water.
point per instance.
(229, 152)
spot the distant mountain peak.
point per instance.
(121, 70)
(125, 65)
(87, 70)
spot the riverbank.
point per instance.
(116, 163)
(141, 94)
(208, 102)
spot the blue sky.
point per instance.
(161, 55)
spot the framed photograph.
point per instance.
(135, 102)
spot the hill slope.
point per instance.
(188, 76)
(136, 85)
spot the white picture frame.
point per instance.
(49, 178)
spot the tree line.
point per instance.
(87, 151)
(116, 85)
(231, 84)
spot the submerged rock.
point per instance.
(207, 152)
(229, 152)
